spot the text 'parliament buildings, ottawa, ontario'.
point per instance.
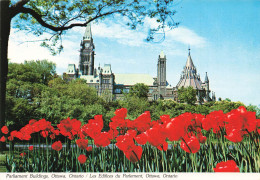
(105, 81)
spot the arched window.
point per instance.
(86, 69)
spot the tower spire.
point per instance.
(189, 50)
(189, 63)
(206, 78)
(88, 33)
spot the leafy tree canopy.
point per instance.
(187, 95)
(140, 90)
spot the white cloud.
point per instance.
(124, 35)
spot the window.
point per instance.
(91, 80)
(126, 90)
(105, 81)
(97, 80)
(117, 91)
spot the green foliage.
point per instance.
(107, 95)
(187, 95)
(25, 83)
(139, 90)
(134, 105)
(225, 106)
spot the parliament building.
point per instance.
(112, 84)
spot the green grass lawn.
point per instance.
(2, 162)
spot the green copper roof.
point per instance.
(132, 79)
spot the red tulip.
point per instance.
(69, 127)
(165, 118)
(82, 143)
(22, 136)
(229, 166)
(215, 120)
(102, 140)
(236, 135)
(142, 123)
(89, 148)
(163, 147)
(241, 119)
(52, 136)
(82, 159)
(23, 154)
(57, 146)
(134, 154)
(190, 144)
(3, 139)
(5, 130)
(141, 138)
(11, 138)
(125, 142)
(30, 148)
(32, 121)
(44, 134)
(155, 136)
(27, 129)
(121, 113)
(176, 129)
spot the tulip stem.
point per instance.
(251, 137)
(47, 155)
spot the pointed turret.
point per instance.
(206, 78)
(189, 63)
(162, 55)
(88, 33)
(189, 75)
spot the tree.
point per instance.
(55, 17)
(25, 83)
(140, 90)
(187, 95)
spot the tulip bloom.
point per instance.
(30, 148)
(5, 130)
(89, 148)
(229, 166)
(121, 113)
(235, 136)
(57, 146)
(3, 139)
(82, 143)
(134, 154)
(82, 159)
(44, 134)
(141, 138)
(23, 154)
(191, 144)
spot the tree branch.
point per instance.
(38, 17)
(20, 4)
(15, 7)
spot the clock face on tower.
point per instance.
(87, 45)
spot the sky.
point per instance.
(223, 36)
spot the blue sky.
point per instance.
(223, 35)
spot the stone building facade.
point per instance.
(113, 85)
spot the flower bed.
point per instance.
(188, 143)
